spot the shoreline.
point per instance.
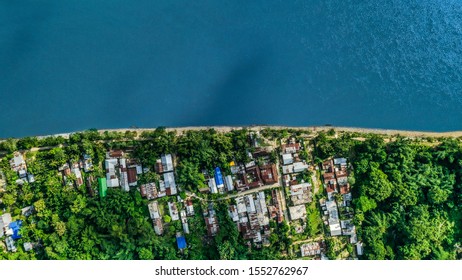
(223, 129)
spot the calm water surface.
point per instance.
(72, 65)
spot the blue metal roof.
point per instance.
(181, 242)
(218, 176)
(16, 226)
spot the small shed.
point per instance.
(102, 182)
(15, 227)
(181, 242)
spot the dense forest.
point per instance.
(407, 195)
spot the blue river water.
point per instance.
(79, 64)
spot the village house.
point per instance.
(189, 207)
(5, 221)
(173, 211)
(287, 159)
(300, 193)
(297, 212)
(87, 163)
(156, 217)
(229, 183)
(211, 220)
(333, 220)
(274, 209)
(10, 245)
(251, 217)
(132, 176)
(184, 221)
(212, 185)
(149, 191)
(310, 249)
(65, 172)
(269, 174)
(78, 175)
(112, 179)
(348, 228)
(291, 148)
(169, 183)
(18, 164)
(167, 163)
(359, 248)
(2, 181)
(262, 209)
(295, 167)
(115, 154)
(232, 211)
(329, 180)
(123, 174)
(133, 170)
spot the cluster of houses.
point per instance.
(299, 192)
(291, 161)
(167, 185)
(251, 215)
(219, 184)
(120, 171)
(275, 206)
(177, 212)
(74, 169)
(242, 177)
(337, 211)
(18, 164)
(124, 173)
(164, 167)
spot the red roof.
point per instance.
(331, 188)
(328, 176)
(116, 153)
(131, 174)
(269, 174)
(344, 189)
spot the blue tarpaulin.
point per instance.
(16, 226)
(181, 242)
(218, 176)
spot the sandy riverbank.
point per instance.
(389, 132)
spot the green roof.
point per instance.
(102, 187)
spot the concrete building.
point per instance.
(297, 212)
